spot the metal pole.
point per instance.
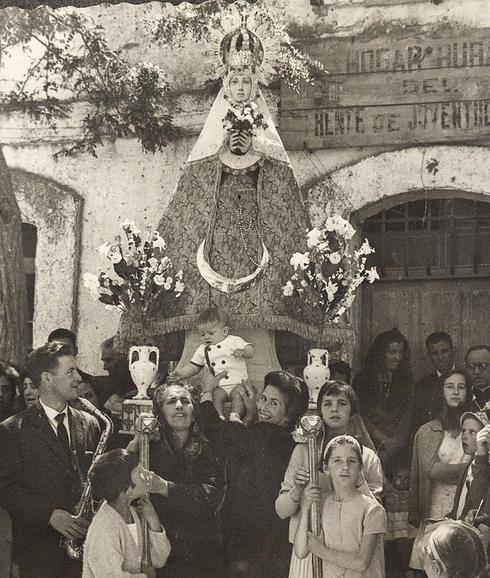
(312, 425)
(146, 424)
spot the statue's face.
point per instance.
(240, 142)
(240, 87)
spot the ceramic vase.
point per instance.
(316, 373)
(143, 367)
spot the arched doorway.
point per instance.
(433, 257)
(382, 181)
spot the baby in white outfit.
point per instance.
(221, 352)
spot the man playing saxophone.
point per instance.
(43, 458)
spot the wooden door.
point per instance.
(461, 307)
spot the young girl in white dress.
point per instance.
(338, 406)
(353, 524)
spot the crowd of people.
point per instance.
(403, 481)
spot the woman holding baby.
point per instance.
(257, 453)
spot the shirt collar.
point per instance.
(439, 374)
(52, 413)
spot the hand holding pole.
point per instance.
(145, 425)
(312, 425)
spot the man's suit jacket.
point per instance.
(38, 476)
(427, 397)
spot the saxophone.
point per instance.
(84, 508)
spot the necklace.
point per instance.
(246, 227)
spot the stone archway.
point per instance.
(55, 211)
(362, 189)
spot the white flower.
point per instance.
(105, 249)
(341, 226)
(300, 260)
(372, 275)
(91, 282)
(364, 249)
(159, 280)
(335, 258)
(341, 311)
(165, 263)
(179, 287)
(331, 224)
(179, 274)
(288, 289)
(349, 300)
(115, 257)
(314, 237)
(153, 263)
(304, 283)
(158, 241)
(129, 226)
(331, 289)
(168, 284)
(111, 307)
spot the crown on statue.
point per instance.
(241, 50)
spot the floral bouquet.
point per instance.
(144, 272)
(327, 276)
(244, 118)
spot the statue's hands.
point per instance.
(238, 352)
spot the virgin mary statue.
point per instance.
(236, 216)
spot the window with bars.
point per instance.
(444, 238)
(29, 245)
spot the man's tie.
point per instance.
(61, 431)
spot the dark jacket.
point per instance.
(388, 409)
(37, 476)
(480, 485)
(468, 503)
(257, 457)
(190, 512)
(427, 400)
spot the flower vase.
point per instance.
(316, 373)
(143, 367)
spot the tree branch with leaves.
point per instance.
(71, 61)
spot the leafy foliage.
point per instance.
(70, 60)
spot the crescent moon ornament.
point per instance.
(224, 284)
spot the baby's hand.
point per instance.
(238, 352)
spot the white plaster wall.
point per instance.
(122, 183)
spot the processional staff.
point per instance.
(146, 425)
(312, 426)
